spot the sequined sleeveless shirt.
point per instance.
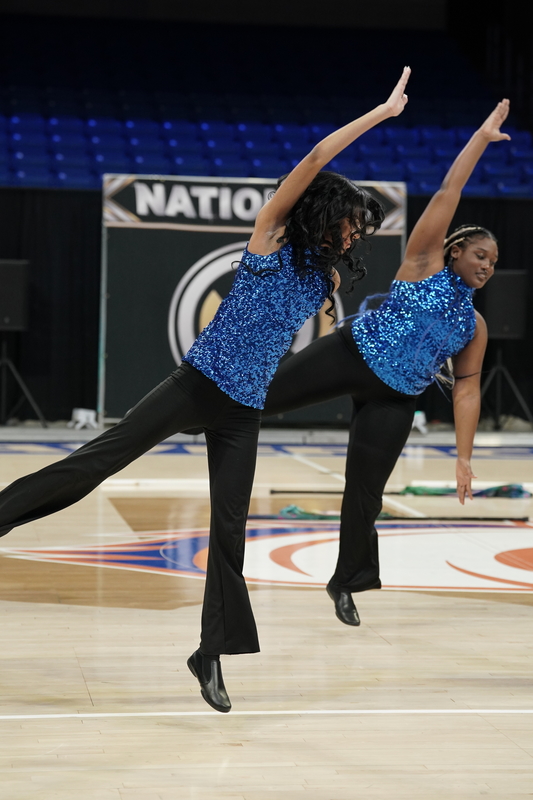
(418, 326)
(268, 303)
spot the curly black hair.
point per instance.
(314, 225)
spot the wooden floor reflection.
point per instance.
(430, 698)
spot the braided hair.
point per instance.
(463, 236)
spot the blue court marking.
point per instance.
(428, 451)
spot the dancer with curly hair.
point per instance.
(287, 271)
(388, 356)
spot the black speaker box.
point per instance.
(504, 304)
(13, 295)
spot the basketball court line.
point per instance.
(268, 713)
(395, 504)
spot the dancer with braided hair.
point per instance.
(311, 223)
(388, 356)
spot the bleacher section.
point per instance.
(74, 106)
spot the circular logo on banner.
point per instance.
(201, 290)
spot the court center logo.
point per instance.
(201, 290)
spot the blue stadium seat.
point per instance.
(77, 178)
(436, 136)
(152, 164)
(3, 123)
(98, 126)
(141, 127)
(190, 165)
(66, 158)
(28, 139)
(176, 128)
(27, 122)
(406, 151)
(506, 189)
(5, 175)
(24, 157)
(108, 141)
(498, 152)
(355, 170)
(428, 187)
(319, 131)
(465, 133)
(185, 146)
(376, 151)
(424, 170)
(69, 139)
(254, 131)
(519, 138)
(216, 130)
(219, 147)
(269, 167)
(521, 154)
(409, 137)
(526, 171)
(476, 189)
(33, 176)
(262, 149)
(111, 161)
(446, 154)
(230, 167)
(386, 170)
(146, 144)
(501, 172)
(295, 134)
(66, 124)
(372, 138)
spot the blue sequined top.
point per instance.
(268, 303)
(419, 325)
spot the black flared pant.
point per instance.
(381, 421)
(186, 399)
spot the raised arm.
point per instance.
(423, 255)
(272, 217)
(467, 403)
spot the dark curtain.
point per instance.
(59, 233)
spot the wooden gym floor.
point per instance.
(432, 697)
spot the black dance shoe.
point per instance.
(209, 674)
(345, 609)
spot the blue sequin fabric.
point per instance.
(418, 326)
(268, 303)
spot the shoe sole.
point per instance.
(203, 693)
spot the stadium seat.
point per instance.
(66, 158)
(295, 134)
(506, 189)
(26, 156)
(436, 136)
(408, 137)
(424, 170)
(112, 161)
(27, 122)
(68, 139)
(385, 170)
(428, 187)
(190, 165)
(179, 128)
(355, 170)
(66, 124)
(108, 141)
(77, 178)
(501, 172)
(98, 126)
(146, 144)
(185, 146)
(141, 127)
(216, 130)
(231, 167)
(375, 152)
(520, 154)
(227, 147)
(33, 176)
(407, 151)
(254, 131)
(28, 139)
(475, 189)
(152, 164)
(262, 149)
(269, 167)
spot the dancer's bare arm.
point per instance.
(467, 403)
(423, 255)
(272, 217)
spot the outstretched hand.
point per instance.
(398, 99)
(491, 126)
(464, 475)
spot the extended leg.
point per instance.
(184, 399)
(378, 433)
(228, 624)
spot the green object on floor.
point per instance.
(509, 490)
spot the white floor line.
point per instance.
(396, 504)
(285, 713)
